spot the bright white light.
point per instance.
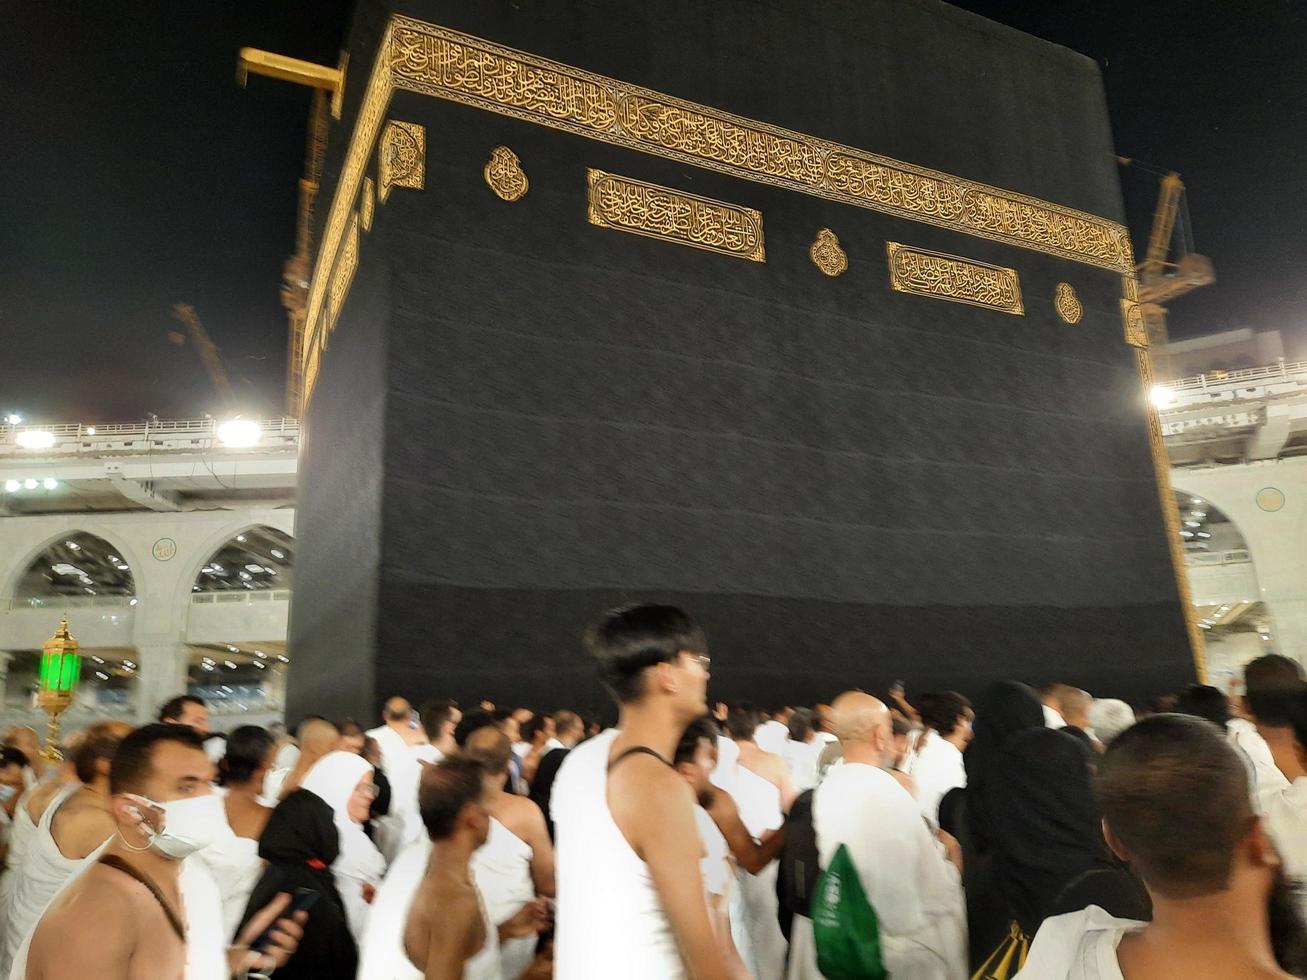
(1203, 534)
(132, 603)
(233, 649)
(30, 484)
(228, 664)
(260, 654)
(1198, 513)
(97, 660)
(254, 568)
(284, 660)
(13, 486)
(239, 433)
(245, 575)
(90, 430)
(102, 675)
(240, 538)
(121, 568)
(277, 553)
(1163, 397)
(35, 439)
(260, 664)
(73, 545)
(1196, 501)
(1192, 524)
(14, 419)
(50, 483)
(90, 591)
(1186, 534)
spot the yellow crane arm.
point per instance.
(186, 314)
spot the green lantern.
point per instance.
(61, 669)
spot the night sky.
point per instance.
(138, 174)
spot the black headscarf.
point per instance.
(1005, 710)
(300, 843)
(1048, 832)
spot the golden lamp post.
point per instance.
(61, 668)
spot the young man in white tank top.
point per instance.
(631, 897)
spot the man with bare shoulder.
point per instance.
(132, 892)
(448, 935)
(631, 897)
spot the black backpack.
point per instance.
(800, 864)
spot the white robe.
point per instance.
(936, 769)
(44, 872)
(381, 953)
(501, 868)
(915, 891)
(754, 923)
(803, 759)
(1078, 946)
(235, 865)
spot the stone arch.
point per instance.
(20, 569)
(204, 553)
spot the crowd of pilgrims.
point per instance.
(1040, 833)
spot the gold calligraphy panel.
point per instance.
(342, 276)
(402, 157)
(451, 65)
(674, 216)
(951, 277)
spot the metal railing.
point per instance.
(1238, 556)
(73, 602)
(257, 595)
(76, 437)
(1280, 371)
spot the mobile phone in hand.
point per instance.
(302, 899)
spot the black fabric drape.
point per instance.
(300, 843)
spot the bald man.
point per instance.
(911, 883)
(400, 730)
(316, 737)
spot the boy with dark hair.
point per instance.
(186, 709)
(628, 844)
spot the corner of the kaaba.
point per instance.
(543, 393)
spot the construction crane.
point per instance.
(1161, 280)
(327, 85)
(208, 351)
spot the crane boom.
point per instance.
(186, 315)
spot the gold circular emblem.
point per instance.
(827, 255)
(504, 174)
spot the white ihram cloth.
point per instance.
(381, 953)
(502, 870)
(755, 926)
(333, 779)
(392, 745)
(913, 888)
(235, 865)
(610, 922)
(716, 865)
(21, 832)
(44, 871)
(403, 826)
(1053, 718)
(1244, 736)
(206, 948)
(936, 769)
(1078, 946)
(803, 760)
(771, 736)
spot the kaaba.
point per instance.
(816, 319)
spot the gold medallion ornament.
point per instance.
(402, 160)
(367, 204)
(504, 174)
(1067, 303)
(827, 255)
(646, 209)
(951, 277)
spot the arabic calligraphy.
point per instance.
(451, 65)
(1067, 303)
(675, 216)
(951, 277)
(504, 173)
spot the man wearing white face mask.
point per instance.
(136, 893)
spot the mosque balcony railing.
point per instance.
(1214, 381)
(57, 602)
(243, 597)
(1236, 556)
(71, 439)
